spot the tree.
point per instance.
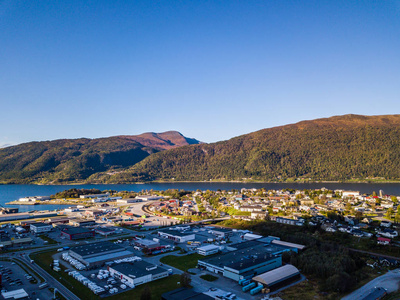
(186, 279)
(146, 294)
(389, 213)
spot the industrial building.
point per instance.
(16, 294)
(147, 244)
(208, 250)
(96, 254)
(242, 263)
(94, 196)
(127, 201)
(277, 278)
(82, 222)
(105, 231)
(15, 242)
(222, 232)
(185, 294)
(40, 227)
(293, 246)
(148, 197)
(177, 236)
(251, 236)
(138, 272)
(77, 233)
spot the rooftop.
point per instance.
(185, 294)
(96, 248)
(138, 268)
(241, 259)
(39, 224)
(75, 230)
(277, 275)
(176, 232)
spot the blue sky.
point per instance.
(209, 69)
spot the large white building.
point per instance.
(138, 272)
(40, 227)
(208, 250)
(177, 236)
(148, 197)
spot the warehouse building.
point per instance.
(16, 242)
(16, 294)
(148, 197)
(105, 231)
(94, 196)
(177, 236)
(137, 272)
(208, 250)
(293, 246)
(82, 222)
(40, 227)
(77, 233)
(279, 277)
(96, 254)
(251, 236)
(147, 244)
(185, 294)
(58, 220)
(242, 263)
(222, 232)
(127, 201)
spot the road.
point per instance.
(390, 281)
(48, 278)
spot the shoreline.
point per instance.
(16, 202)
(206, 181)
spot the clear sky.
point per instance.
(209, 69)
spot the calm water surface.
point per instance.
(14, 192)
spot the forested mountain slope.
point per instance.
(72, 160)
(336, 148)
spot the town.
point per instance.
(238, 244)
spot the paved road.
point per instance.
(49, 278)
(52, 281)
(390, 281)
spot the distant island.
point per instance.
(349, 148)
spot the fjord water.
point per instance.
(15, 191)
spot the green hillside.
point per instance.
(337, 148)
(75, 160)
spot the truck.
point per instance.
(43, 285)
(256, 290)
(248, 287)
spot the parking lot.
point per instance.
(14, 278)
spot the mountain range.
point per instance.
(340, 148)
(74, 160)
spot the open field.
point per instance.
(182, 262)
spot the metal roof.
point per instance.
(16, 294)
(109, 256)
(208, 247)
(277, 275)
(287, 244)
(96, 248)
(138, 269)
